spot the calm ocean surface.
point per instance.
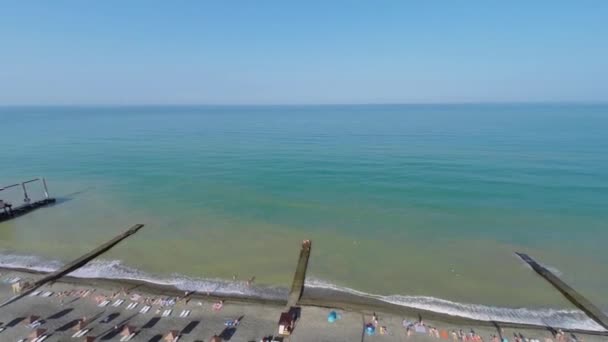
(406, 202)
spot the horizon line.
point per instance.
(605, 102)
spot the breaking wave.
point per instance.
(115, 269)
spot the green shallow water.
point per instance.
(411, 200)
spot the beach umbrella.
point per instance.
(215, 338)
(369, 329)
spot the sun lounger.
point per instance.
(127, 338)
(132, 306)
(104, 303)
(81, 333)
(22, 340)
(47, 294)
(2, 329)
(35, 293)
(12, 280)
(118, 303)
(41, 338)
(184, 313)
(35, 324)
(167, 312)
(145, 309)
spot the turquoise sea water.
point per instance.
(405, 200)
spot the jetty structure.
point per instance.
(288, 318)
(571, 294)
(73, 265)
(8, 211)
(299, 277)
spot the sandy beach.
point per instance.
(59, 315)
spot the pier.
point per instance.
(297, 286)
(8, 212)
(572, 295)
(75, 264)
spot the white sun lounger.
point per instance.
(104, 303)
(2, 329)
(35, 324)
(13, 280)
(41, 338)
(22, 340)
(81, 333)
(167, 312)
(132, 306)
(35, 293)
(47, 294)
(145, 309)
(184, 313)
(127, 338)
(118, 303)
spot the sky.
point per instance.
(302, 52)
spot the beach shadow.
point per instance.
(111, 334)
(151, 323)
(68, 325)
(498, 329)
(72, 301)
(156, 338)
(60, 313)
(227, 333)
(188, 328)
(15, 322)
(110, 317)
(70, 196)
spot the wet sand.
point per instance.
(259, 317)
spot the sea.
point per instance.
(416, 205)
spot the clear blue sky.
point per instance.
(239, 52)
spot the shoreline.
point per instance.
(312, 297)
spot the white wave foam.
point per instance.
(568, 319)
(571, 319)
(115, 269)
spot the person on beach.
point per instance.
(250, 281)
